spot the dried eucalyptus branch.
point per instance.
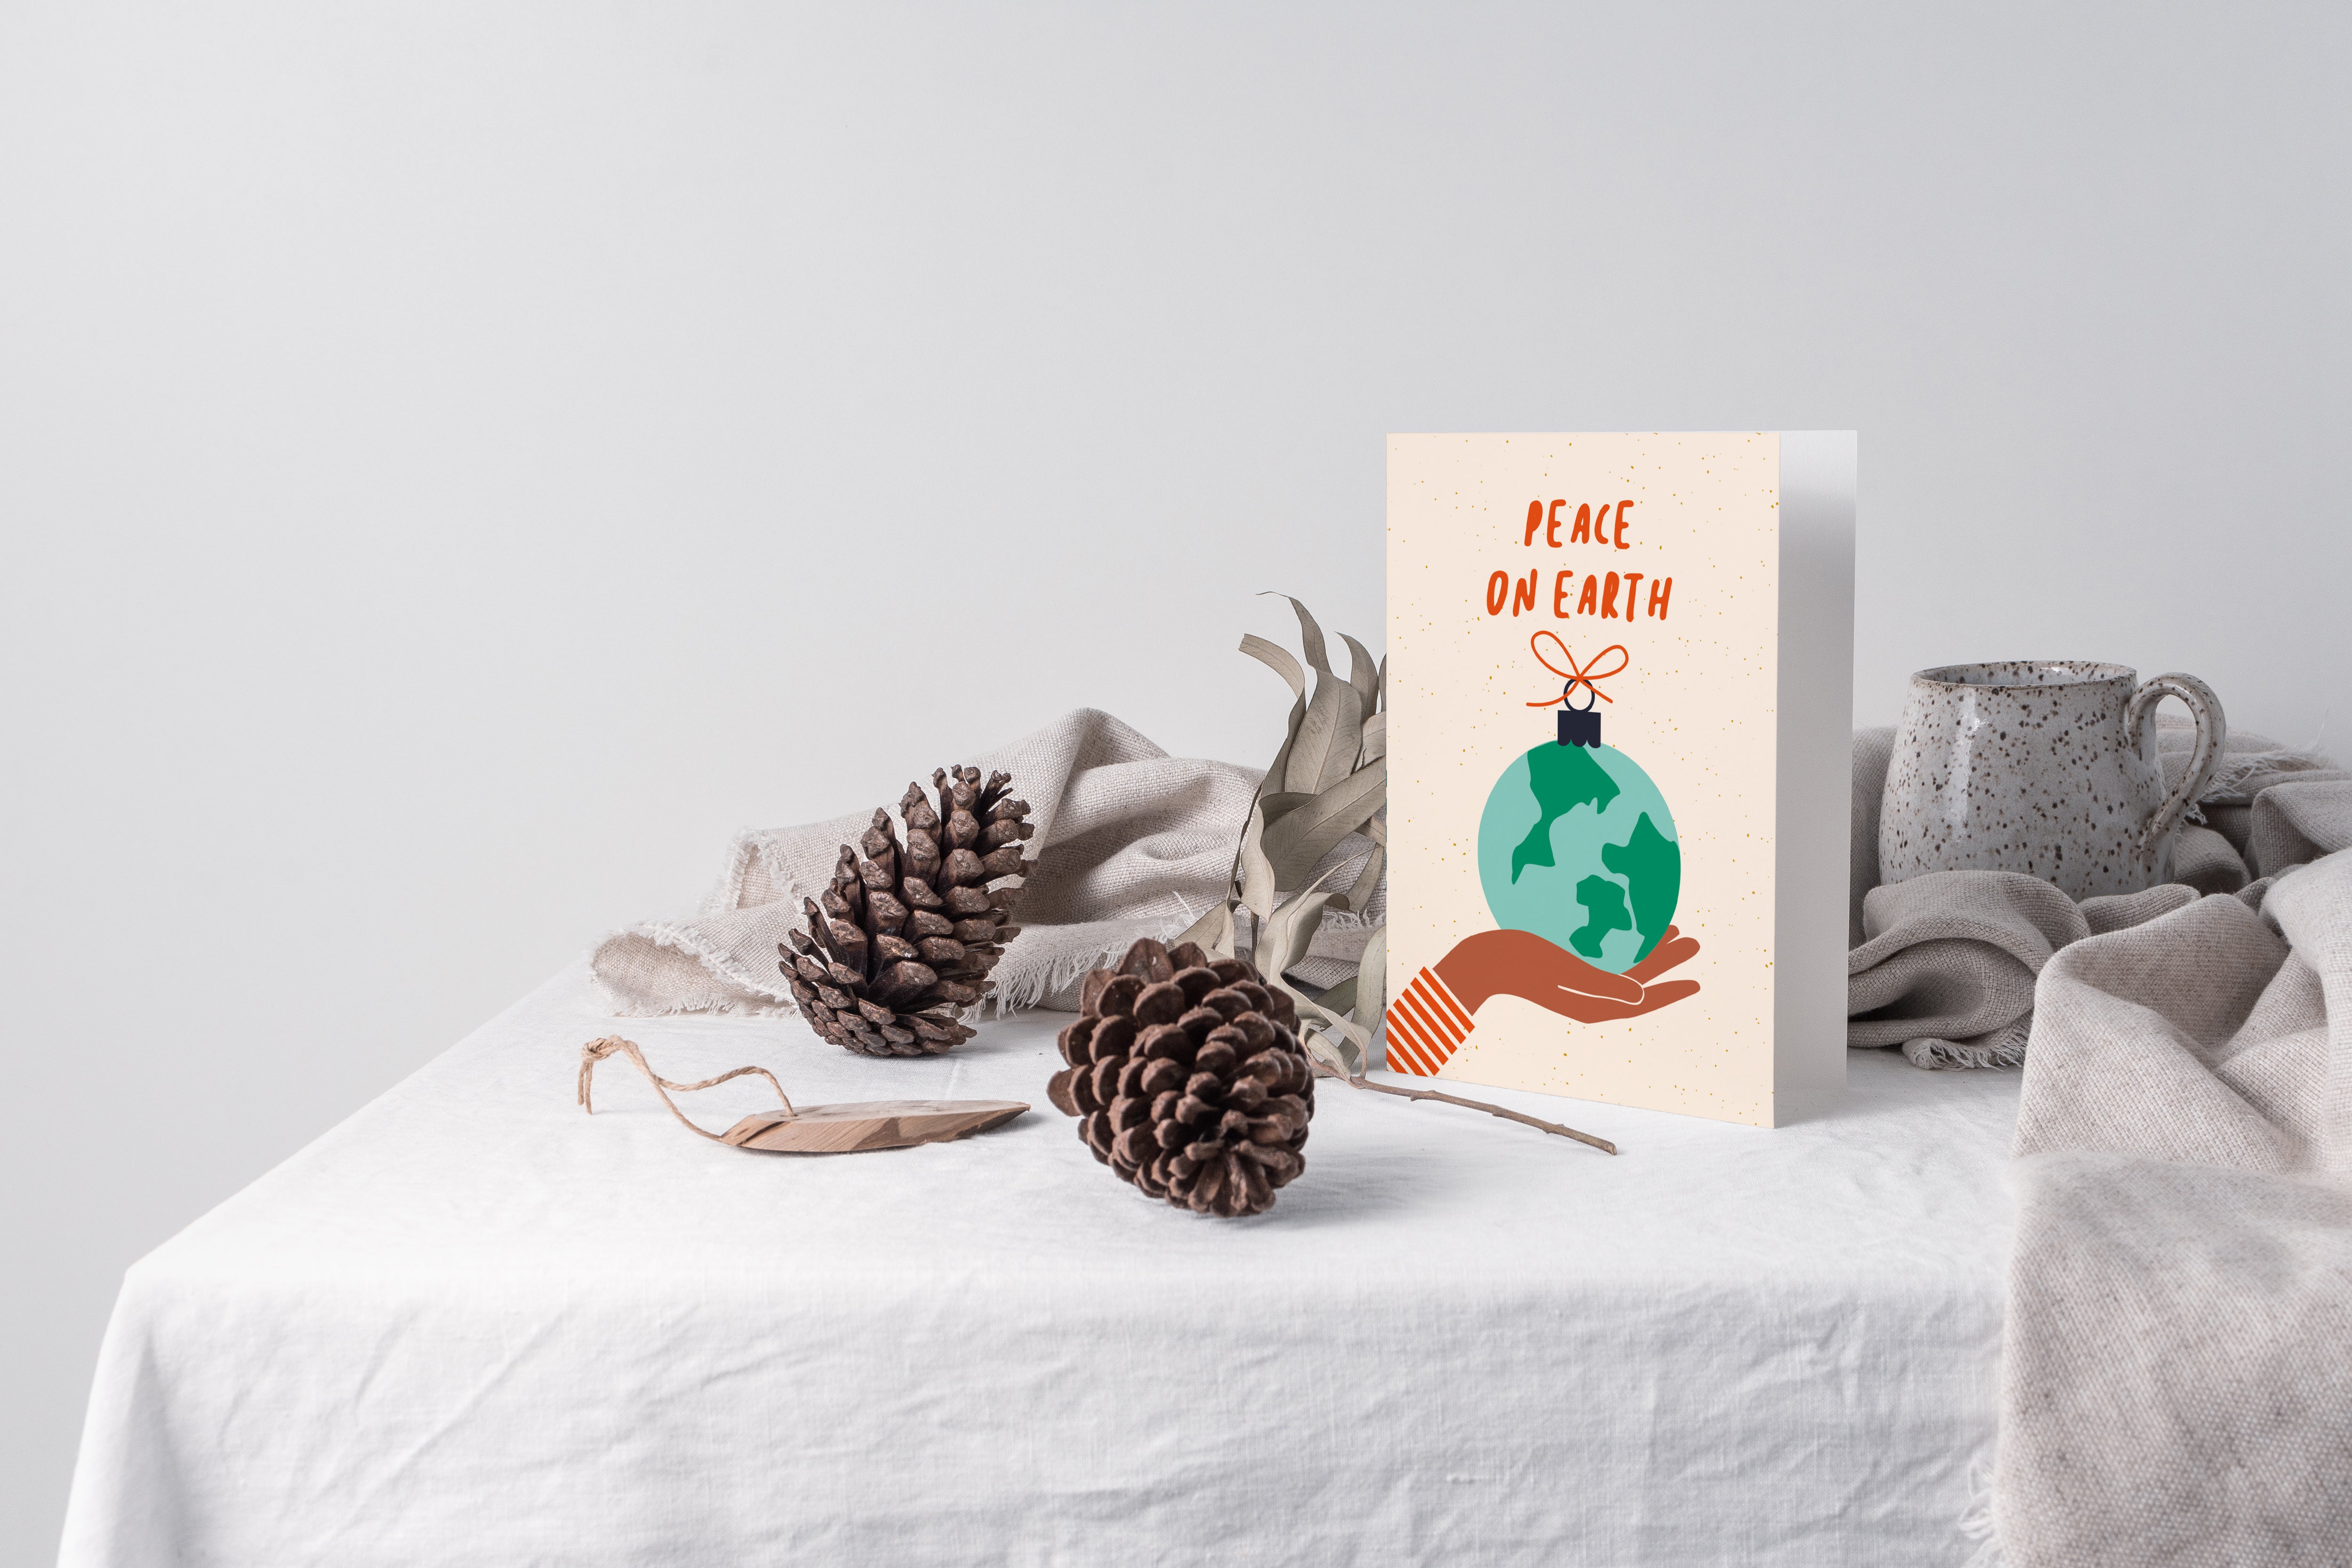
(1329, 780)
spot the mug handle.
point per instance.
(2212, 735)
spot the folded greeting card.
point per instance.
(1620, 697)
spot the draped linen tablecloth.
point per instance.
(472, 1325)
(2176, 1363)
(2177, 1385)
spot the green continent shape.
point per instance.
(1604, 911)
(1561, 778)
(1652, 865)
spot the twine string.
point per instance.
(595, 1051)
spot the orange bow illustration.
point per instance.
(1578, 675)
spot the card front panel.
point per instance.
(1648, 563)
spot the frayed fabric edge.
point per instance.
(1020, 986)
(1978, 1522)
(734, 991)
(1951, 1055)
(2227, 786)
(755, 846)
(2002, 1047)
(1026, 986)
(715, 1001)
(750, 997)
(1035, 986)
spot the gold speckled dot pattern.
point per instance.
(1695, 708)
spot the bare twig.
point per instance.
(1600, 1144)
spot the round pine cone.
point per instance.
(902, 941)
(1188, 1080)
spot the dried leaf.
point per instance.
(1310, 635)
(1278, 660)
(1277, 657)
(1224, 947)
(1256, 871)
(1330, 1054)
(1281, 763)
(1330, 778)
(1329, 1008)
(1371, 978)
(1324, 752)
(1290, 930)
(1213, 931)
(1384, 683)
(1260, 881)
(1359, 895)
(1351, 1034)
(1304, 836)
(1344, 1044)
(1363, 674)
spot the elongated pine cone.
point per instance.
(900, 945)
(1188, 1080)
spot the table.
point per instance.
(471, 1325)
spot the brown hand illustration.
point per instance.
(1433, 1015)
(1521, 963)
(1672, 948)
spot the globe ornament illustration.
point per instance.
(1578, 845)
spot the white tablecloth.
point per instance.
(473, 1326)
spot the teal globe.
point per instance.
(1577, 845)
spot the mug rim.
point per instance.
(2070, 672)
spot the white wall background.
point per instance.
(459, 462)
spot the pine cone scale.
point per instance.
(1103, 1081)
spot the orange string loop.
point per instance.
(1578, 675)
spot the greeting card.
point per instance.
(1619, 693)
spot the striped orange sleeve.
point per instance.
(1426, 1024)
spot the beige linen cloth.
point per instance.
(1130, 842)
(1943, 966)
(2177, 1364)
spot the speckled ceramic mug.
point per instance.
(2044, 766)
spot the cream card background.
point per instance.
(1695, 708)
